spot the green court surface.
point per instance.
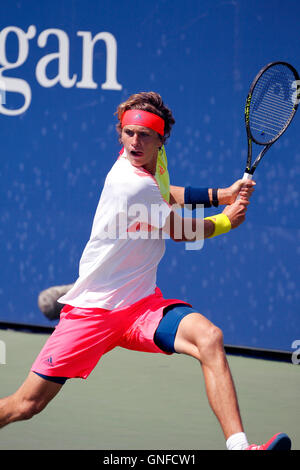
(135, 401)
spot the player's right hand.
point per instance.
(236, 212)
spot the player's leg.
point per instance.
(31, 398)
(197, 337)
(178, 328)
(73, 350)
(182, 330)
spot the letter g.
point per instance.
(15, 85)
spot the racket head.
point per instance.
(271, 103)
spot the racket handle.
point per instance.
(246, 176)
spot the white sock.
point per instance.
(237, 441)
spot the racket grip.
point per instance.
(246, 176)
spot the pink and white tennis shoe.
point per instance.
(280, 441)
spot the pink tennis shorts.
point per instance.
(83, 335)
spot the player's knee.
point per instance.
(29, 408)
(211, 343)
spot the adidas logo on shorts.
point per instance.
(49, 361)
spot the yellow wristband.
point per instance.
(222, 224)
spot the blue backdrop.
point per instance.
(64, 68)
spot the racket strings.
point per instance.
(271, 104)
(271, 117)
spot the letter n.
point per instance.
(87, 80)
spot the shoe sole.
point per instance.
(281, 442)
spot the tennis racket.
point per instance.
(271, 105)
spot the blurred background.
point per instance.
(64, 68)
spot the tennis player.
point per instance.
(115, 300)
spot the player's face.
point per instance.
(141, 145)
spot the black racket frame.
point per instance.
(250, 168)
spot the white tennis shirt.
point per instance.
(119, 264)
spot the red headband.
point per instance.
(143, 118)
